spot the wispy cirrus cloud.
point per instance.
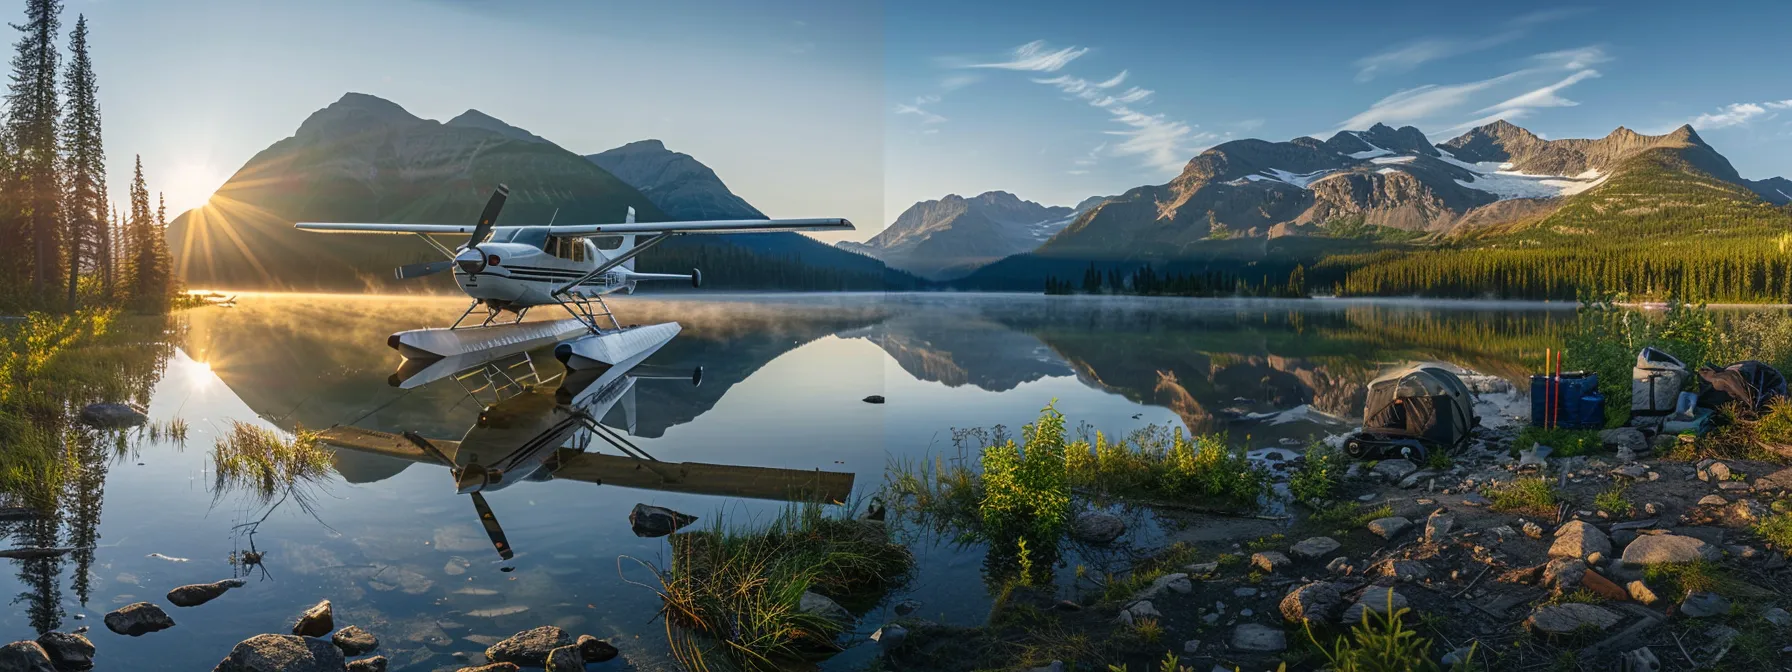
(1163, 143)
(1739, 114)
(1035, 56)
(916, 108)
(1435, 105)
(1545, 96)
(1408, 57)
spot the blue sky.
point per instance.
(859, 109)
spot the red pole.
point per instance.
(1549, 387)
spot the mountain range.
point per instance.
(366, 159)
(953, 236)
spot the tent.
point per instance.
(1423, 403)
(1750, 384)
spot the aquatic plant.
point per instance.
(1026, 491)
(742, 589)
(269, 465)
(1533, 496)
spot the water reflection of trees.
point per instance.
(67, 491)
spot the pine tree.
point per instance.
(149, 249)
(86, 162)
(33, 107)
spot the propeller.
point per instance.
(492, 529)
(470, 258)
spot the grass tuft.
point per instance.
(267, 463)
(1534, 496)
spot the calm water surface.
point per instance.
(404, 556)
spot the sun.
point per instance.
(189, 184)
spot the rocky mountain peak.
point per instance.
(475, 119)
(354, 113)
(648, 145)
(678, 183)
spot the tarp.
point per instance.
(1749, 384)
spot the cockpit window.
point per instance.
(527, 235)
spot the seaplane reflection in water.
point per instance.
(530, 430)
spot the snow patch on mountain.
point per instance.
(1500, 180)
(1369, 153)
(1301, 180)
(1393, 159)
(1388, 171)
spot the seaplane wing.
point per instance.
(686, 477)
(582, 230)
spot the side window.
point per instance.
(578, 248)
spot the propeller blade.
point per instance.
(409, 271)
(487, 218)
(492, 529)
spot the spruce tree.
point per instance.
(33, 107)
(86, 161)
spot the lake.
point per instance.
(782, 384)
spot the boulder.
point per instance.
(1396, 469)
(1714, 472)
(656, 521)
(595, 650)
(201, 593)
(1701, 604)
(1570, 617)
(1313, 602)
(1315, 548)
(1373, 599)
(566, 659)
(1175, 583)
(354, 641)
(374, 664)
(1270, 561)
(1262, 638)
(529, 648)
(68, 651)
(1578, 540)
(1654, 549)
(138, 619)
(1097, 527)
(112, 416)
(1389, 527)
(1564, 574)
(282, 653)
(317, 621)
(812, 603)
(1621, 439)
(24, 656)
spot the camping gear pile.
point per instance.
(1413, 411)
(1566, 399)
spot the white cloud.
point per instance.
(958, 81)
(1414, 54)
(926, 116)
(1035, 57)
(1115, 81)
(1162, 142)
(1737, 114)
(1572, 59)
(1546, 96)
(1423, 102)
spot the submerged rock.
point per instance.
(24, 656)
(529, 648)
(201, 593)
(595, 650)
(656, 521)
(1097, 527)
(111, 416)
(874, 399)
(282, 653)
(68, 651)
(317, 621)
(138, 619)
(813, 603)
(354, 641)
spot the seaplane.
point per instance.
(531, 431)
(508, 270)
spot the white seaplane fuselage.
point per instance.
(523, 267)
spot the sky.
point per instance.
(860, 109)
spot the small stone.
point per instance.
(595, 650)
(354, 641)
(1438, 526)
(1701, 604)
(1314, 548)
(1716, 472)
(1395, 469)
(1578, 540)
(374, 664)
(1569, 617)
(1668, 548)
(1246, 591)
(812, 603)
(68, 651)
(530, 648)
(138, 619)
(1778, 617)
(1640, 592)
(1338, 565)
(1312, 602)
(1389, 527)
(1564, 574)
(1639, 660)
(201, 593)
(282, 653)
(1270, 561)
(1459, 656)
(1202, 569)
(1254, 637)
(649, 521)
(1097, 527)
(906, 607)
(1408, 570)
(24, 656)
(1175, 583)
(1191, 646)
(317, 621)
(1475, 499)
(566, 659)
(1374, 599)
(1625, 439)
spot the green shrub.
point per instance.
(1318, 476)
(1382, 643)
(1026, 491)
(1534, 496)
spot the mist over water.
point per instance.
(783, 378)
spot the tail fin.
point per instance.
(628, 242)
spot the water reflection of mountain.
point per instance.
(1206, 361)
(317, 361)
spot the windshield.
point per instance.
(536, 236)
